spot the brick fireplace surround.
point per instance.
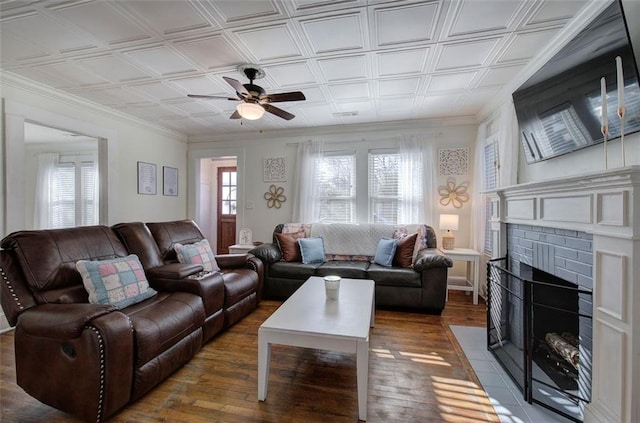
(605, 206)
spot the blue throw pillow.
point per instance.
(312, 250)
(385, 252)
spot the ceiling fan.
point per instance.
(254, 99)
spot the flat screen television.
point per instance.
(559, 107)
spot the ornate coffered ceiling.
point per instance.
(357, 61)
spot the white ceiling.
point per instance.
(357, 61)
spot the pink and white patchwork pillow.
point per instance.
(197, 253)
(120, 281)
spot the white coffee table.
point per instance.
(309, 320)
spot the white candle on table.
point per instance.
(603, 95)
(620, 82)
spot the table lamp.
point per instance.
(449, 222)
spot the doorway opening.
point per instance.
(227, 207)
(62, 187)
(218, 205)
(19, 121)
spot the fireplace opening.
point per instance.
(539, 329)
(555, 325)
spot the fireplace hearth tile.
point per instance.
(499, 387)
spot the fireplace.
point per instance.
(543, 292)
(584, 229)
(539, 329)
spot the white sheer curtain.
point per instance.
(415, 179)
(305, 205)
(508, 142)
(45, 193)
(479, 218)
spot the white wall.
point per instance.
(587, 160)
(206, 212)
(253, 147)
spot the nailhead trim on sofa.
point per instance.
(13, 293)
(101, 348)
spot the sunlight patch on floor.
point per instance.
(461, 400)
(476, 391)
(382, 353)
(458, 382)
(431, 358)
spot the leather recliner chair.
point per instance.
(241, 274)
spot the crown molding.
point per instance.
(33, 87)
(383, 129)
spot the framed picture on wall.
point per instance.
(169, 181)
(147, 178)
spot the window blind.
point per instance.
(89, 197)
(490, 182)
(335, 179)
(384, 192)
(74, 195)
(490, 166)
(63, 207)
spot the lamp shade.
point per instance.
(250, 111)
(449, 222)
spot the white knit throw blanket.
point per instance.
(350, 238)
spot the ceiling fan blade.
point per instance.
(278, 112)
(209, 97)
(235, 115)
(292, 96)
(240, 89)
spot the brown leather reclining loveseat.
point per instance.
(89, 359)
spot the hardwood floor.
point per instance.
(417, 373)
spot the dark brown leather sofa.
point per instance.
(90, 360)
(421, 287)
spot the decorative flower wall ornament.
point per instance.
(275, 197)
(452, 194)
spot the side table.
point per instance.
(469, 283)
(240, 248)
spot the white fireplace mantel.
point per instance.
(605, 204)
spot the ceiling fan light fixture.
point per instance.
(251, 111)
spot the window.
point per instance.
(397, 185)
(335, 179)
(228, 191)
(74, 193)
(364, 185)
(490, 166)
(490, 182)
(384, 190)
